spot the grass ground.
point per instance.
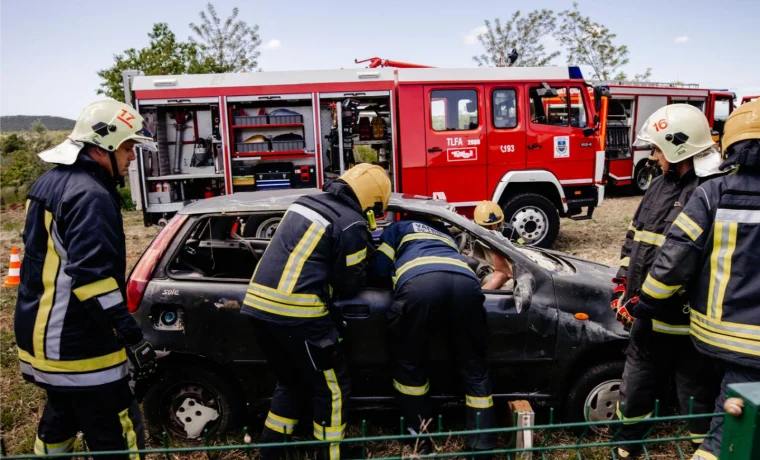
(21, 405)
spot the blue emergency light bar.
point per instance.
(575, 72)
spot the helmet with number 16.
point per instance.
(680, 131)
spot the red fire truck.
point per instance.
(630, 105)
(463, 135)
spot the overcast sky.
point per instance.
(50, 51)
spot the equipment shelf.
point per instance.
(281, 125)
(186, 176)
(283, 153)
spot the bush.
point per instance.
(127, 203)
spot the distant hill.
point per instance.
(24, 123)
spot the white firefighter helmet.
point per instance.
(680, 131)
(106, 124)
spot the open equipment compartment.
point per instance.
(357, 127)
(620, 133)
(273, 141)
(189, 164)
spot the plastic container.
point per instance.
(257, 120)
(285, 119)
(282, 146)
(242, 147)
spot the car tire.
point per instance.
(599, 388)
(534, 218)
(201, 388)
(262, 227)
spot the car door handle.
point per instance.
(434, 150)
(356, 311)
(534, 146)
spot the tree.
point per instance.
(233, 44)
(640, 77)
(163, 56)
(590, 43)
(521, 33)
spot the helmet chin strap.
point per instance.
(115, 170)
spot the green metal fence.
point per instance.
(741, 439)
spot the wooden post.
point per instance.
(525, 417)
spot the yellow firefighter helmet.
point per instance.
(742, 125)
(488, 213)
(371, 185)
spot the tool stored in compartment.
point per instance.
(271, 176)
(304, 176)
(181, 117)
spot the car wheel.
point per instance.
(261, 227)
(189, 400)
(594, 396)
(534, 218)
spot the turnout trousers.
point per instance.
(646, 378)
(441, 303)
(733, 373)
(310, 367)
(108, 415)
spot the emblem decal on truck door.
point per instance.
(462, 154)
(561, 146)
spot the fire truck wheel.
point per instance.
(534, 218)
(262, 227)
(643, 175)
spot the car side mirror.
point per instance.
(588, 132)
(523, 290)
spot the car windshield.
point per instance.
(542, 259)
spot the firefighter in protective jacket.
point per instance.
(73, 329)
(319, 251)
(714, 253)
(435, 290)
(682, 144)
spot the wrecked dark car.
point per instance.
(553, 338)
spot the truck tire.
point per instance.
(597, 388)
(534, 218)
(642, 177)
(197, 389)
(261, 227)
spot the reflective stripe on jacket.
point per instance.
(658, 210)
(71, 296)
(713, 249)
(409, 248)
(319, 247)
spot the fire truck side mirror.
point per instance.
(599, 93)
(588, 132)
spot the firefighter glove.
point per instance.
(623, 313)
(641, 332)
(143, 359)
(618, 292)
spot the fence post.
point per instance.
(741, 435)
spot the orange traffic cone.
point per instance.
(14, 270)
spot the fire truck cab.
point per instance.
(511, 135)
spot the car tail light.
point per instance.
(140, 276)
